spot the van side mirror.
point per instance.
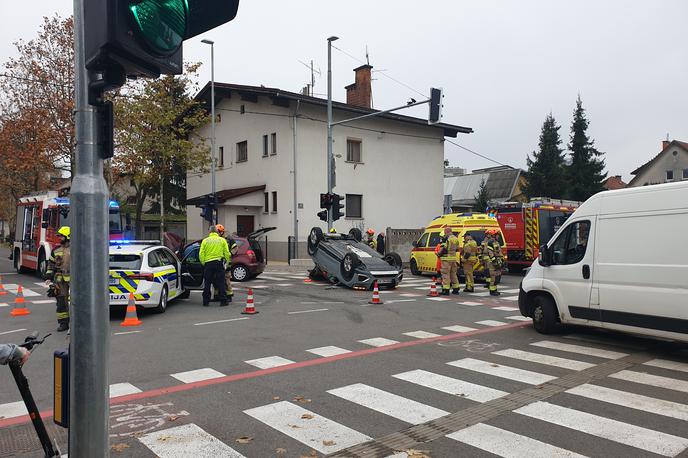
(415, 244)
(545, 257)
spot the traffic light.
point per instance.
(436, 99)
(144, 37)
(208, 208)
(325, 200)
(322, 215)
(337, 207)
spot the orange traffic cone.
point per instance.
(433, 288)
(131, 319)
(307, 280)
(20, 304)
(376, 295)
(2, 288)
(249, 309)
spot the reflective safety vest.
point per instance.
(214, 248)
(470, 250)
(58, 264)
(452, 247)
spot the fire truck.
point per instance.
(527, 226)
(39, 216)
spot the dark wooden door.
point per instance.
(244, 225)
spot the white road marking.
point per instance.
(10, 332)
(505, 309)
(4, 304)
(652, 380)
(544, 359)
(267, 277)
(387, 403)
(579, 349)
(222, 321)
(632, 400)
(409, 295)
(378, 342)
(509, 298)
(12, 410)
(507, 444)
(485, 294)
(186, 440)
(510, 291)
(438, 299)
(197, 375)
(617, 431)
(44, 301)
(257, 286)
(284, 284)
(13, 288)
(306, 427)
(490, 323)
(421, 334)
(470, 304)
(393, 301)
(330, 350)
(306, 311)
(320, 302)
(41, 284)
(507, 372)
(121, 389)
(427, 288)
(668, 364)
(269, 361)
(450, 385)
(125, 333)
(459, 328)
(518, 318)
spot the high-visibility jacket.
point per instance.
(494, 253)
(470, 250)
(452, 247)
(58, 264)
(214, 248)
(372, 243)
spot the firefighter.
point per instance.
(450, 278)
(470, 256)
(495, 261)
(484, 257)
(213, 255)
(372, 243)
(228, 267)
(58, 273)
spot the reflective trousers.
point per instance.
(450, 278)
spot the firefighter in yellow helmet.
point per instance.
(371, 241)
(58, 273)
(450, 278)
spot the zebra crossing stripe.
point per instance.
(450, 385)
(306, 427)
(421, 334)
(13, 409)
(507, 444)
(652, 380)
(518, 318)
(186, 440)
(458, 328)
(269, 361)
(267, 277)
(570, 348)
(667, 364)
(122, 389)
(606, 428)
(505, 309)
(197, 375)
(544, 359)
(13, 288)
(510, 373)
(632, 400)
(330, 350)
(387, 403)
(378, 342)
(490, 323)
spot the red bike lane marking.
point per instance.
(273, 370)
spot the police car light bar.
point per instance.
(135, 242)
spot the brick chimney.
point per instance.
(665, 144)
(360, 93)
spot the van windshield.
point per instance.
(479, 235)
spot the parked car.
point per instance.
(247, 263)
(345, 260)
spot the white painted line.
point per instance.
(197, 375)
(505, 309)
(393, 301)
(10, 332)
(491, 323)
(470, 304)
(510, 291)
(269, 361)
(41, 284)
(450, 385)
(328, 351)
(427, 288)
(4, 304)
(13, 288)
(186, 440)
(320, 303)
(510, 298)
(122, 389)
(632, 400)
(378, 342)
(387, 403)
(409, 295)
(8, 273)
(44, 301)
(257, 286)
(544, 359)
(459, 328)
(125, 333)
(667, 364)
(485, 294)
(222, 321)
(653, 380)
(507, 444)
(579, 349)
(306, 427)
(421, 334)
(624, 433)
(438, 299)
(306, 311)
(284, 285)
(12, 410)
(507, 372)
(518, 318)
(267, 277)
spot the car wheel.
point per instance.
(185, 295)
(544, 315)
(162, 305)
(42, 265)
(356, 234)
(348, 266)
(414, 268)
(240, 273)
(394, 260)
(314, 238)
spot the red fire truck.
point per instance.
(527, 226)
(39, 216)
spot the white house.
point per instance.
(671, 164)
(271, 148)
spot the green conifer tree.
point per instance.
(585, 174)
(546, 170)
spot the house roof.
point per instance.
(680, 144)
(613, 183)
(282, 98)
(499, 181)
(226, 194)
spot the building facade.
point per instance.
(671, 164)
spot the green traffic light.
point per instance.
(161, 23)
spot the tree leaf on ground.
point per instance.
(494, 365)
(244, 440)
(306, 416)
(281, 451)
(293, 426)
(411, 453)
(173, 417)
(275, 398)
(301, 399)
(329, 443)
(119, 447)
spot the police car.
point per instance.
(148, 270)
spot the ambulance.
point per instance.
(423, 258)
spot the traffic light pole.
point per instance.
(90, 321)
(330, 171)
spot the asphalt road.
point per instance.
(320, 371)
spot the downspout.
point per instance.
(296, 204)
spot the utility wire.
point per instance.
(477, 154)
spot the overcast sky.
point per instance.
(503, 64)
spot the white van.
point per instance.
(619, 262)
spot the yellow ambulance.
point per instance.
(423, 258)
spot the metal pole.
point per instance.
(296, 200)
(330, 181)
(90, 317)
(212, 123)
(162, 200)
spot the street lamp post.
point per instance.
(330, 178)
(212, 124)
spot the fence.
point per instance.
(401, 241)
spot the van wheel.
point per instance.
(162, 305)
(545, 316)
(414, 268)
